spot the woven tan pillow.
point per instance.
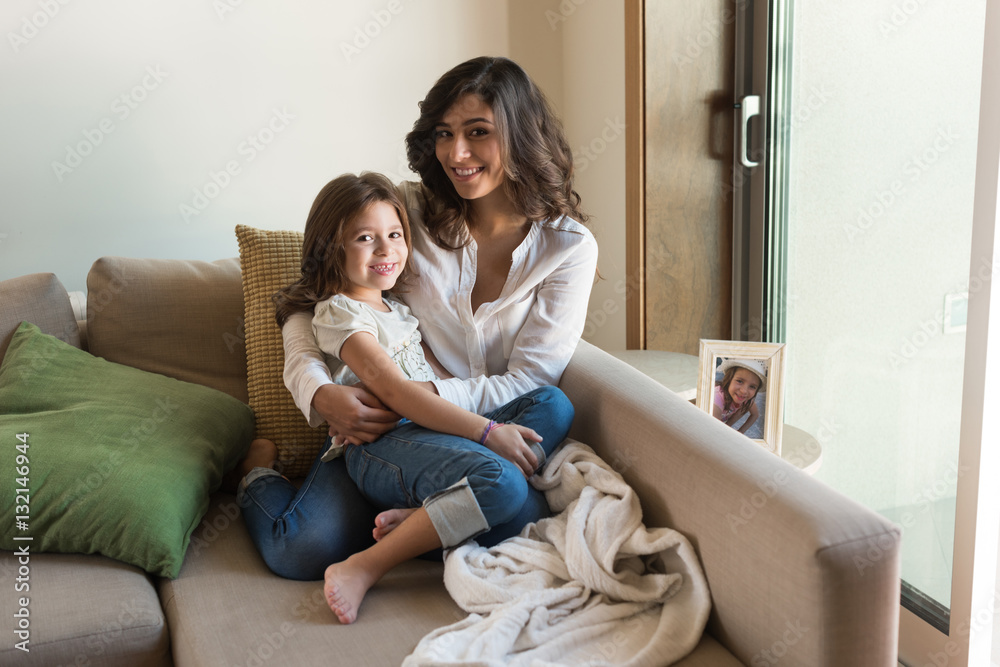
(270, 260)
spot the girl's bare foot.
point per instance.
(388, 520)
(345, 588)
(347, 582)
(261, 454)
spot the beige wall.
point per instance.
(117, 111)
(575, 50)
(325, 88)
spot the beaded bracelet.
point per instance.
(486, 432)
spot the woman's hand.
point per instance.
(353, 413)
(509, 441)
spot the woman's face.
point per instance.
(744, 386)
(467, 144)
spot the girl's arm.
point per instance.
(754, 412)
(380, 374)
(350, 411)
(718, 403)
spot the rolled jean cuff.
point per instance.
(455, 514)
(252, 477)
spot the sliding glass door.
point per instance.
(857, 143)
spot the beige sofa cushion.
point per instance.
(83, 610)
(270, 261)
(140, 312)
(41, 299)
(227, 608)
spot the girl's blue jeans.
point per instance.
(466, 488)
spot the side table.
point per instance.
(675, 371)
(801, 449)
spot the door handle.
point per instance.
(749, 107)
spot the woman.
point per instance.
(503, 276)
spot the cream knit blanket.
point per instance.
(591, 585)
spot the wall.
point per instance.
(594, 113)
(145, 128)
(575, 50)
(150, 129)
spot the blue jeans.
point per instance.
(299, 532)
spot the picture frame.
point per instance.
(763, 419)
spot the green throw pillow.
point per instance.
(114, 460)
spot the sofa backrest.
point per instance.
(179, 318)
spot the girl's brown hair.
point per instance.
(337, 205)
(537, 160)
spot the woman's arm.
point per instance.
(355, 413)
(350, 411)
(379, 373)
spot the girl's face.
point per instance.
(467, 144)
(375, 253)
(744, 385)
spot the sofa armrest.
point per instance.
(38, 298)
(797, 570)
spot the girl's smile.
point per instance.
(384, 269)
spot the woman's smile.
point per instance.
(466, 174)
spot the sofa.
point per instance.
(798, 573)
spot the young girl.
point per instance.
(359, 234)
(735, 394)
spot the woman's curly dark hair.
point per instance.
(537, 160)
